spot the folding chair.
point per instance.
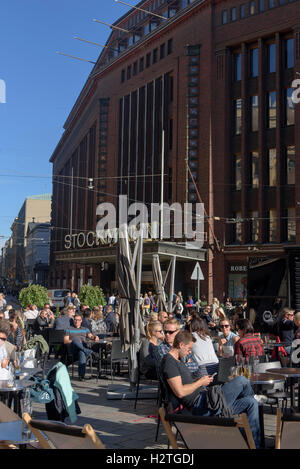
(287, 430)
(116, 356)
(57, 435)
(208, 432)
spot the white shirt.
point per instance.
(203, 350)
(31, 314)
(111, 300)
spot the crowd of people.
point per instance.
(183, 345)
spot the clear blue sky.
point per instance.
(41, 86)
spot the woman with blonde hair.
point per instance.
(153, 317)
(154, 336)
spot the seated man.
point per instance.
(236, 396)
(41, 322)
(75, 339)
(65, 320)
(249, 345)
(171, 329)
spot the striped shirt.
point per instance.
(80, 333)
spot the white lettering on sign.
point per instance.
(238, 268)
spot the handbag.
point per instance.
(41, 392)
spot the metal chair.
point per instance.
(55, 338)
(140, 376)
(115, 357)
(29, 328)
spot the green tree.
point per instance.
(91, 296)
(34, 294)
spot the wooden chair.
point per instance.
(208, 432)
(287, 430)
(57, 435)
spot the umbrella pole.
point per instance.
(134, 348)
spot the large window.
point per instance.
(290, 164)
(237, 228)
(271, 110)
(291, 224)
(254, 113)
(271, 58)
(272, 225)
(242, 11)
(289, 53)
(290, 107)
(254, 62)
(272, 166)
(254, 170)
(237, 116)
(224, 17)
(237, 64)
(254, 227)
(237, 172)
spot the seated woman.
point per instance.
(17, 333)
(154, 336)
(203, 349)
(98, 322)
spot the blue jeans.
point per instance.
(238, 394)
(80, 352)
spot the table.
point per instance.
(290, 373)
(12, 433)
(264, 378)
(15, 391)
(100, 348)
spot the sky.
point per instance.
(41, 87)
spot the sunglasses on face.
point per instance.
(3, 338)
(170, 332)
(225, 325)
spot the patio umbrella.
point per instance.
(131, 324)
(158, 284)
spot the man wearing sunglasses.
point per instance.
(171, 329)
(227, 337)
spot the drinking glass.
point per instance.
(27, 407)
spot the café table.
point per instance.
(288, 373)
(257, 379)
(15, 391)
(100, 348)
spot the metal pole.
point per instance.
(71, 207)
(171, 292)
(162, 186)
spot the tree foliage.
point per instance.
(91, 296)
(34, 294)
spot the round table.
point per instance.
(15, 391)
(266, 378)
(288, 373)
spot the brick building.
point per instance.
(205, 87)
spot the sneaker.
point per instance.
(81, 378)
(261, 399)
